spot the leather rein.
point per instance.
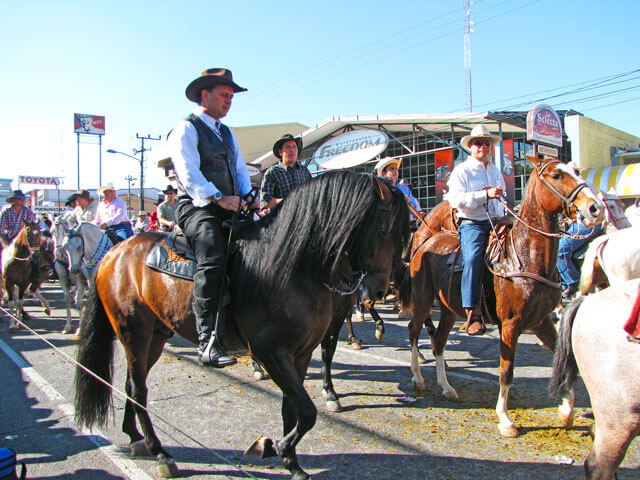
(568, 201)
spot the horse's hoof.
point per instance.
(14, 329)
(47, 311)
(509, 431)
(334, 406)
(356, 345)
(380, 336)
(451, 395)
(418, 386)
(566, 420)
(66, 330)
(261, 448)
(139, 449)
(258, 375)
(167, 468)
(300, 475)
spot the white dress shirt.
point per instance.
(467, 189)
(183, 147)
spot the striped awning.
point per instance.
(623, 179)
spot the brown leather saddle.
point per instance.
(173, 256)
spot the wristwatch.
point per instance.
(217, 196)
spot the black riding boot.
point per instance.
(210, 352)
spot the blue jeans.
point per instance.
(474, 236)
(123, 230)
(567, 247)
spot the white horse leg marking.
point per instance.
(417, 379)
(506, 426)
(441, 375)
(565, 409)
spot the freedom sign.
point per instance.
(350, 149)
(89, 124)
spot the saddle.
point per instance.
(173, 256)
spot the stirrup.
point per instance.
(214, 355)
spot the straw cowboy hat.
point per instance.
(141, 213)
(285, 138)
(104, 188)
(385, 162)
(479, 131)
(16, 194)
(209, 78)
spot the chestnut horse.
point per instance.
(17, 271)
(525, 286)
(339, 231)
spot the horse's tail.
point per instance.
(405, 289)
(95, 352)
(589, 265)
(565, 368)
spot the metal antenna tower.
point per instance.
(466, 13)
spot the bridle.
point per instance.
(29, 247)
(360, 273)
(90, 262)
(568, 201)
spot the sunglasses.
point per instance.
(480, 143)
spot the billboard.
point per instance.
(543, 125)
(88, 124)
(30, 179)
(350, 149)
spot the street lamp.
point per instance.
(139, 160)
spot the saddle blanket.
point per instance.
(632, 327)
(172, 256)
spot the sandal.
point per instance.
(474, 319)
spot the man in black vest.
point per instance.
(212, 178)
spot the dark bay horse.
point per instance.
(525, 285)
(592, 341)
(337, 232)
(16, 269)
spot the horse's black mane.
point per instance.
(312, 231)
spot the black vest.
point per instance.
(217, 157)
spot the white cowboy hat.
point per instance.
(108, 186)
(479, 131)
(385, 162)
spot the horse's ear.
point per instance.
(383, 190)
(535, 161)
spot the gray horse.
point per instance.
(592, 340)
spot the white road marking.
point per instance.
(117, 457)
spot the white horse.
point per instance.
(592, 340)
(616, 254)
(59, 231)
(85, 246)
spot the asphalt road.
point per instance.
(207, 418)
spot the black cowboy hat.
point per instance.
(170, 188)
(16, 194)
(285, 138)
(209, 78)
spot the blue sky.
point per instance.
(301, 61)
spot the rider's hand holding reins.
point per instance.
(494, 192)
(230, 202)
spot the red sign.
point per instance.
(89, 124)
(444, 166)
(507, 168)
(543, 125)
(38, 180)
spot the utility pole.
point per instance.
(141, 152)
(129, 179)
(466, 13)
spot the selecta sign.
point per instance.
(543, 125)
(350, 149)
(89, 124)
(38, 180)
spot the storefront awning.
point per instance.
(623, 179)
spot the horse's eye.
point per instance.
(556, 175)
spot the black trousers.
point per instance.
(202, 226)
